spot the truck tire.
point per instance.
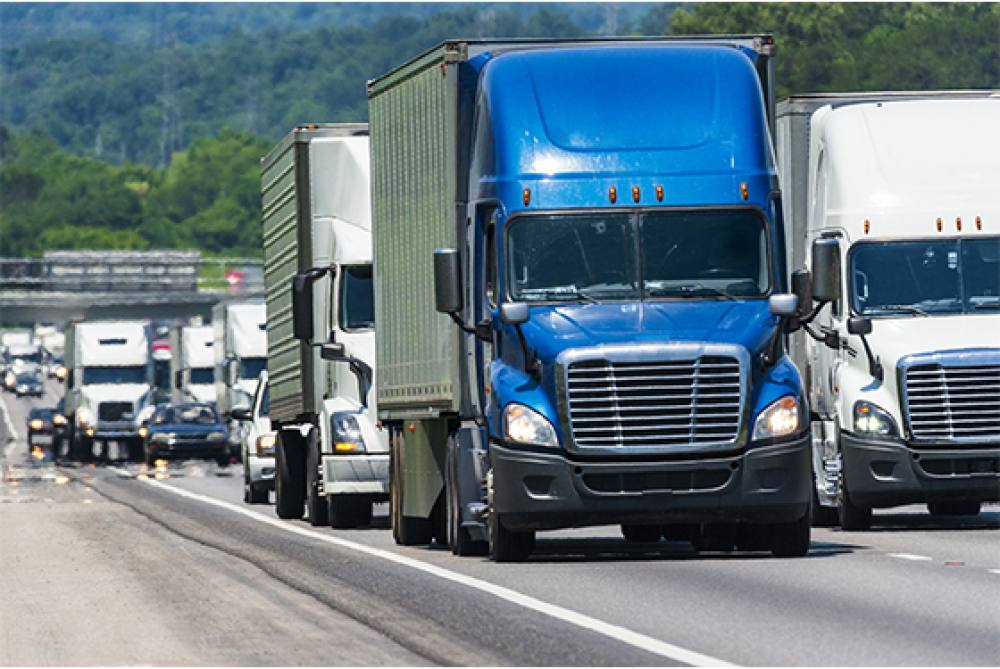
(851, 516)
(642, 534)
(289, 477)
(254, 493)
(316, 505)
(406, 530)
(505, 545)
(791, 539)
(954, 508)
(349, 511)
(458, 537)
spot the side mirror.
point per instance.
(783, 304)
(826, 269)
(514, 313)
(302, 306)
(241, 413)
(802, 288)
(178, 379)
(859, 325)
(447, 281)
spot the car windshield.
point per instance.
(357, 306)
(44, 414)
(193, 414)
(29, 377)
(250, 368)
(202, 375)
(35, 357)
(651, 255)
(129, 374)
(946, 276)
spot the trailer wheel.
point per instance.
(349, 511)
(954, 508)
(458, 538)
(791, 539)
(406, 530)
(505, 545)
(289, 476)
(642, 534)
(315, 502)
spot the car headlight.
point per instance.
(265, 445)
(873, 421)
(162, 438)
(59, 419)
(780, 419)
(85, 417)
(523, 425)
(22, 388)
(216, 436)
(10, 380)
(143, 431)
(36, 424)
(347, 433)
(61, 373)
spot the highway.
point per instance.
(119, 565)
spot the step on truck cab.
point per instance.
(240, 349)
(904, 370)
(578, 246)
(331, 454)
(193, 363)
(109, 378)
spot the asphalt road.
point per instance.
(119, 565)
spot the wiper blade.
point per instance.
(689, 289)
(903, 307)
(986, 305)
(560, 293)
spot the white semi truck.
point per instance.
(331, 454)
(903, 365)
(193, 360)
(240, 346)
(109, 377)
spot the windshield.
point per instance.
(661, 254)
(357, 309)
(947, 276)
(131, 374)
(35, 357)
(250, 368)
(202, 375)
(194, 414)
(44, 414)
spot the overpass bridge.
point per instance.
(65, 285)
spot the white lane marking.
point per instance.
(627, 636)
(994, 571)
(9, 428)
(909, 556)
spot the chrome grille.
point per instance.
(650, 405)
(112, 411)
(953, 403)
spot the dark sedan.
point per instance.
(28, 383)
(41, 424)
(186, 431)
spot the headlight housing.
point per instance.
(10, 379)
(85, 417)
(523, 425)
(36, 424)
(59, 419)
(347, 436)
(873, 421)
(161, 438)
(781, 418)
(265, 445)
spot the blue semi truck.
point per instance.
(581, 299)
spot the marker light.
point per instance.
(868, 226)
(659, 193)
(613, 194)
(873, 421)
(779, 419)
(635, 193)
(979, 223)
(958, 223)
(744, 191)
(526, 196)
(939, 224)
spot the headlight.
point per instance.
(162, 438)
(61, 373)
(36, 424)
(85, 417)
(779, 419)
(346, 433)
(873, 421)
(143, 431)
(59, 419)
(265, 445)
(216, 436)
(526, 426)
(10, 379)
(22, 389)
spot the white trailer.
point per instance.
(240, 349)
(903, 369)
(109, 378)
(332, 455)
(193, 363)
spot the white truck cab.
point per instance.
(904, 371)
(193, 360)
(240, 350)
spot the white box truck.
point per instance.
(331, 453)
(902, 191)
(240, 347)
(109, 377)
(193, 361)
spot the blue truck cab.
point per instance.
(617, 283)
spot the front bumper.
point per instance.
(208, 450)
(115, 430)
(356, 475)
(882, 473)
(768, 484)
(260, 469)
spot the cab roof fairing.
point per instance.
(550, 129)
